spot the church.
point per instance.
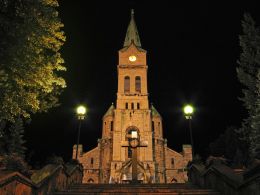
(113, 160)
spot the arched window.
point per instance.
(138, 84)
(91, 161)
(127, 84)
(126, 105)
(138, 106)
(132, 106)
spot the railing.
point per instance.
(43, 182)
(222, 178)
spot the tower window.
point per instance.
(132, 106)
(152, 126)
(127, 84)
(126, 105)
(91, 161)
(138, 84)
(111, 126)
(138, 106)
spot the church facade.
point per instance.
(110, 161)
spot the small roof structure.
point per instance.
(154, 111)
(110, 111)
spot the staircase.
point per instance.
(151, 189)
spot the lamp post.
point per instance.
(188, 111)
(81, 113)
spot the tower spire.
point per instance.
(132, 33)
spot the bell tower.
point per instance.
(132, 72)
(132, 106)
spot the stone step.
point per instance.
(142, 189)
(191, 192)
(136, 186)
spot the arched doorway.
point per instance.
(90, 180)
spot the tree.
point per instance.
(227, 144)
(54, 159)
(15, 142)
(15, 162)
(31, 38)
(30, 61)
(255, 127)
(248, 74)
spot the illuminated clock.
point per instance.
(132, 58)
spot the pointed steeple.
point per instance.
(132, 33)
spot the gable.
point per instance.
(93, 152)
(172, 153)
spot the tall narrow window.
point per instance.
(132, 106)
(91, 161)
(138, 106)
(127, 84)
(111, 126)
(152, 126)
(172, 161)
(138, 84)
(126, 105)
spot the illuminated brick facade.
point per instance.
(109, 162)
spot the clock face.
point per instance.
(132, 58)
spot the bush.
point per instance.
(15, 162)
(56, 160)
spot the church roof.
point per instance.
(132, 33)
(154, 111)
(110, 111)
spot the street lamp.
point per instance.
(188, 111)
(81, 113)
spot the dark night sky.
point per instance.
(192, 49)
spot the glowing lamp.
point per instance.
(188, 110)
(81, 110)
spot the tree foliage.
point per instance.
(31, 38)
(228, 145)
(15, 162)
(12, 142)
(248, 73)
